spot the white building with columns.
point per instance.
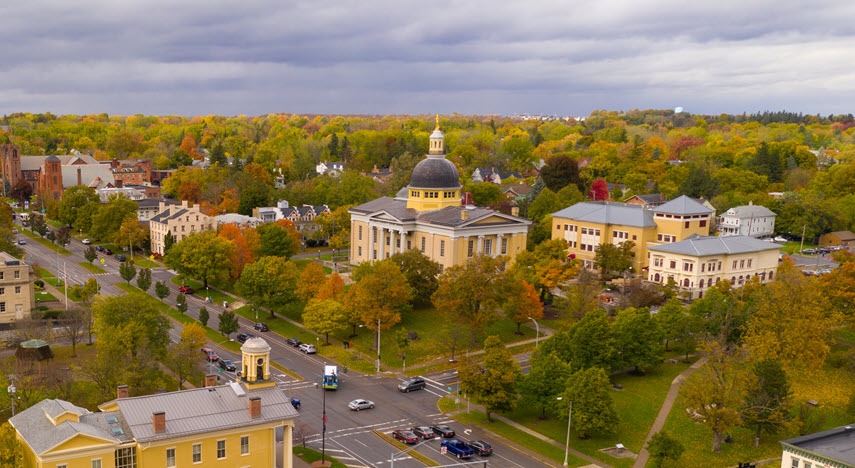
(428, 215)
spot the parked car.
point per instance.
(261, 326)
(293, 342)
(457, 448)
(86, 241)
(227, 365)
(443, 431)
(21, 242)
(157, 256)
(405, 436)
(308, 348)
(121, 257)
(357, 405)
(809, 251)
(186, 289)
(108, 252)
(480, 447)
(295, 402)
(415, 383)
(242, 337)
(210, 355)
(424, 432)
(14, 230)
(99, 248)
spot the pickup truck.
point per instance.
(457, 447)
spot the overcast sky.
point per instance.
(401, 57)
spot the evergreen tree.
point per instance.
(168, 241)
(767, 402)
(203, 316)
(228, 323)
(333, 146)
(218, 155)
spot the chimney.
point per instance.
(184, 204)
(79, 177)
(254, 407)
(158, 421)
(515, 211)
(122, 391)
(118, 183)
(211, 380)
(161, 206)
(661, 197)
(750, 203)
(464, 215)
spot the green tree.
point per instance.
(73, 200)
(228, 323)
(144, 279)
(591, 342)
(11, 449)
(204, 316)
(664, 447)
(671, 318)
(168, 242)
(561, 171)
(324, 316)
(544, 382)
(275, 241)
(638, 340)
(421, 273)
(161, 290)
(589, 391)
(127, 271)
(611, 258)
(181, 303)
(201, 256)
(184, 356)
(768, 399)
(494, 384)
(107, 221)
(469, 294)
(270, 282)
(485, 193)
(90, 254)
(38, 224)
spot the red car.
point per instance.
(408, 437)
(186, 289)
(210, 355)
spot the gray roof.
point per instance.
(167, 214)
(837, 444)
(203, 410)
(448, 216)
(682, 205)
(701, 246)
(603, 212)
(235, 218)
(749, 211)
(435, 172)
(41, 435)
(155, 202)
(33, 163)
(89, 173)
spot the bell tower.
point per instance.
(10, 160)
(255, 364)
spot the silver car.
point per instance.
(357, 405)
(307, 348)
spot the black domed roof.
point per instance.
(435, 173)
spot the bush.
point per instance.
(45, 314)
(837, 359)
(39, 283)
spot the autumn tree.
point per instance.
(11, 449)
(311, 279)
(324, 316)
(184, 354)
(108, 220)
(133, 234)
(73, 325)
(768, 399)
(522, 303)
(581, 296)
(722, 315)
(270, 282)
(493, 384)
(245, 242)
(545, 268)
(144, 279)
(63, 235)
(638, 340)
(611, 258)
(662, 447)
(589, 391)
(21, 192)
(469, 294)
(421, 273)
(713, 395)
(333, 288)
(545, 381)
(380, 295)
(201, 256)
(599, 190)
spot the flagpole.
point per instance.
(324, 439)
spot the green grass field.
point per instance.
(45, 297)
(43, 273)
(217, 297)
(41, 240)
(145, 262)
(92, 268)
(308, 455)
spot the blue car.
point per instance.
(295, 402)
(457, 448)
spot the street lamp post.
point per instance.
(378, 345)
(537, 332)
(569, 417)
(11, 390)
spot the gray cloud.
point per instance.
(557, 57)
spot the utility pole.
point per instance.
(801, 246)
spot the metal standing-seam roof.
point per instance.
(201, 410)
(701, 246)
(748, 211)
(603, 212)
(682, 205)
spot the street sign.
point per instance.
(443, 450)
(102, 261)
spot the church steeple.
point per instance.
(437, 140)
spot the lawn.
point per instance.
(793, 247)
(308, 455)
(637, 404)
(92, 268)
(45, 297)
(526, 440)
(53, 281)
(41, 240)
(216, 296)
(43, 273)
(145, 262)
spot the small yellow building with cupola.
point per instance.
(221, 426)
(429, 215)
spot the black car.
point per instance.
(293, 342)
(227, 365)
(480, 447)
(416, 383)
(242, 337)
(443, 431)
(121, 257)
(262, 327)
(424, 432)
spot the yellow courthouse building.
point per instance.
(586, 225)
(429, 215)
(222, 426)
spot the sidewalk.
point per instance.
(659, 423)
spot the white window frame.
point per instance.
(97, 463)
(173, 457)
(242, 438)
(193, 451)
(224, 449)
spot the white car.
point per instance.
(357, 405)
(307, 348)
(86, 241)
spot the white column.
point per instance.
(480, 244)
(497, 249)
(381, 251)
(403, 241)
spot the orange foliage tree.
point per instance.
(245, 241)
(522, 303)
(332, 289)
(311, 279)
(188, 145)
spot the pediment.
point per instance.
(498, 218)
(383, 216)
(78, 442)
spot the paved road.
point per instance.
(349, 433)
